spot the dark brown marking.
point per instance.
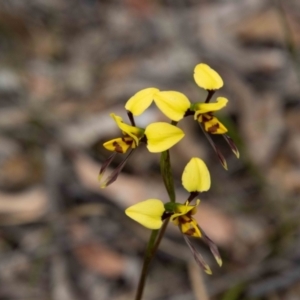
(207, 117)
(185, 219)
(191, 231)
(128, 140)
(118, 148)
(213, 128)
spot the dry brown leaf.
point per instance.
(24, 207)
(94, 255)
(101, 259)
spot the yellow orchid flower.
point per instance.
(195, 178)
(132, 136)
(158, 136)
(207, 78)
(204, 115)
(152, 212)
(172, 104)
(210, 80)
(182, 217)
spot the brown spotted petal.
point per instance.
(189, 226)
(120, 145)
(213, 125)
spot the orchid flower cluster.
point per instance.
(159, 138)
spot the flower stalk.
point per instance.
(147, 259)
(152, 247)
(166, 172)
(155, 238)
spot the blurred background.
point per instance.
(65, 66)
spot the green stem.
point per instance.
(161, 234)
(166, 172)
(150, 252)
(155, 239)
(148, 256)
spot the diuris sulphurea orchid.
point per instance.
(158, 137)
(152, 212)
(208, 79)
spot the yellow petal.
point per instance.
(139, 102)
(148, 213)
(214, 126)
(202, 108)
(184, 209)
(207, 78)
(120, 145)
(196, 177)
(162, 136)
(173, 104)
(134, 132)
